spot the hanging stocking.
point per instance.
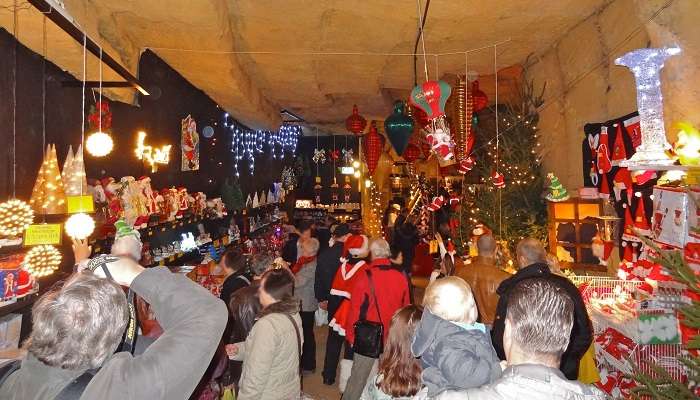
(634, 131)
(603, 158)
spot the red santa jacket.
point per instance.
(391, 289)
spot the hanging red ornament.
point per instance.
(412, 153)
(498, 180)
(479, 98)
(374, 144)
(356, 123)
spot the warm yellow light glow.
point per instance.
(357, 174)
(356, 164)
(99, 144)
(80, 226)
(15, 217)
(368, 183)
(42, 260)
(152, 156)
(687, 146)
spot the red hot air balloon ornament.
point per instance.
(431, 97)
(356, 123)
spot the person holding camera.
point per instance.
(78, 326)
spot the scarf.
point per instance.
(303, 260)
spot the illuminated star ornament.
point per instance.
(646, 65)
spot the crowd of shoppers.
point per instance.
(479, 334)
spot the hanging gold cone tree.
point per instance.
(48, 195)
(74, 178)
(67, 164)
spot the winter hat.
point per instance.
(127, 241)
(619, 152)
(357, 246)
(640, 219)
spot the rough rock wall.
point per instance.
(584, 84)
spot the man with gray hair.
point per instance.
(532, 262)
(78, 325)
(537, 325)
(484, 277)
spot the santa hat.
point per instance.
(356, 246)
(642, 177)
(164, 191)
(623, 180)
(107, 181)
(628, 233)
(604, 191)
(619, 153)
(640, 219)
(628, 255)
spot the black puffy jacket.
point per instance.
(581, 332)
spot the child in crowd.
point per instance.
(399, 373)
(455, 351)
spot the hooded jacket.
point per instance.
(270, 355)
(453, 357)
(581, 332)
(531, 382)
(170, 368)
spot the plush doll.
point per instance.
(183, 202)
(149, 195)
(173, 204)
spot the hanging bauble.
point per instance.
(431, 97)
(99, 144)
(373, 146)
(356, 123)
(398, 127)
(412, 153)
(42, 260)
(480, 99)
(15, 217)
(80, 226)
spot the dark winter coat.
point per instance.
(453, 357)
(581, 332)
(290, 250)
(170, 368)
(233, 283)
(244, 308)
(327, 265)
(406, 240)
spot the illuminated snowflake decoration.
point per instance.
(319, 156)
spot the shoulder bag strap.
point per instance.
(374, 296)
(76, 388)
(296, 330)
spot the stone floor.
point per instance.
(313, 384)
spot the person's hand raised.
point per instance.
(81, 250)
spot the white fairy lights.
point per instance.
(646, 65)
(247, 143)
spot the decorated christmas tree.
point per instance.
(508, 196)
(48, 195)
(67, 165)
(557, 191)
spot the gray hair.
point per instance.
(80, 324)
(127, 246)
(379, 248)
(260, 263)
(486, 245)
(532, 251)
(541, 315)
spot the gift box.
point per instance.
(671, 222)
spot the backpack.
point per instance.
(73, 391)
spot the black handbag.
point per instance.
(369, 335)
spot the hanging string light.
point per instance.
(42, 260)
(246, 143)
(99, 144)
(80, 226)
(15, 215)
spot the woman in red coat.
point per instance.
(392, 293)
